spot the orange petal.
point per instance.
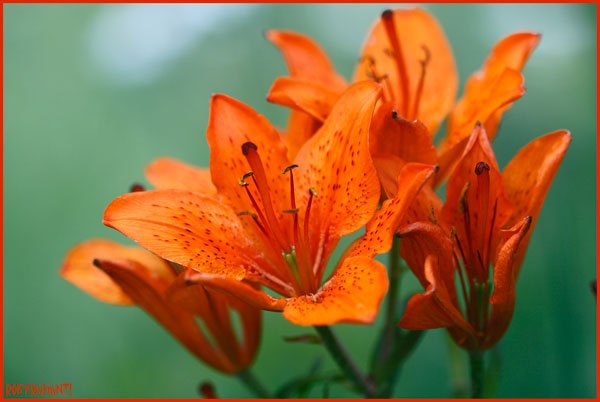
(416, 30)
(337, 163)
(392, 134)
(480, 101)
(178, 321)
(237, 288)
(169, 173)
(528, 176)
(306, 59)
(190, 229)
(388, 168)
(301, 126)
(231, 124)
(491, 91)
(215, 309)
(352, 295)
(434, 308)
(419, 241)
(309, 97)
(79, 269)
(505, 278)
(380, 229)
(511, 52)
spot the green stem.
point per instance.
(477, 373)
(344, 361)
(253, 384)
(395, 276)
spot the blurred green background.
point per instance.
(92, 93)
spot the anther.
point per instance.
(246, 147)
(242, 181)
(252, 214)
(394, 114)
(291, 211)
(287, 169)
(312, 191)
(136, 187)
(387, 14)
(480, 167)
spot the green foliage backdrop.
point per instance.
(94, 92)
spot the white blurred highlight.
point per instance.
(134, 43)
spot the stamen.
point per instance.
(372, 74)
(252, 200)
(259, 176)
(313, 193)
(255, 217)
(421, 84)
(387, 18)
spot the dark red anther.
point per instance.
(247, 146)
(136, 187)
(394, 114)
(387, 14)
(593, 285)
(480, 167)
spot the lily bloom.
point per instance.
(274, 223)
(132, 276)
(408, 53)
(479, 238)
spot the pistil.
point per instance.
(260, 179)
(387, 18)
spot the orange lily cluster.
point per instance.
(481, 233)
(267, 216)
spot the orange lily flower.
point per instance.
(408, 53)
(132, 276)
(481, 236)
(274, 223)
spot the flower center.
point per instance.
(474, 246)
(295, 251)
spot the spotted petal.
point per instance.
(79, 269)
(352, 295)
